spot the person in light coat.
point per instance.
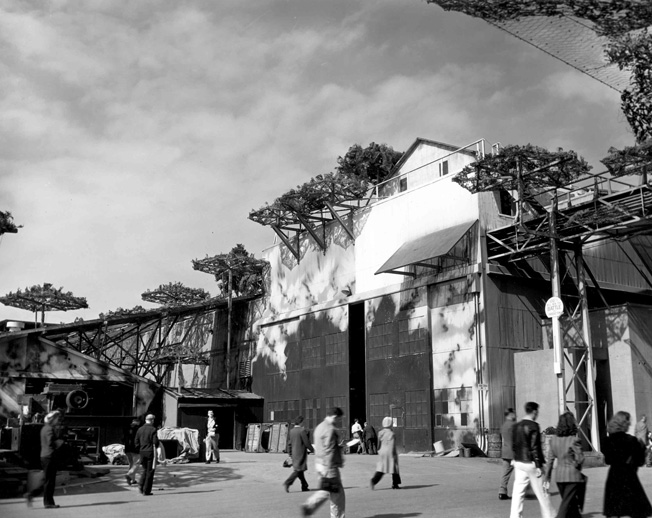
(566, 447)
(388, 461)
(329, 458)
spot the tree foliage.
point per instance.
(357, 170)
(43, 298)
(372, 164)
(7, 224)
(247, 272)
(630, 160)
(175, 294)
(121, 312)
(500, 171)
(624, 23)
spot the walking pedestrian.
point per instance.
(528, 463)
(51, 447)
(388, 461)
(329, 459)
(370, 439)
(623, 493)
(146, 442)
(566, 447)
(132, 453)
(212, 439)
(356, 433)
(507, 453)
(299, 448)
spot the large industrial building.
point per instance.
(416, 302)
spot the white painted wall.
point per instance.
(320, 276)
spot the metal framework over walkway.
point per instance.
(554, 226)
(147, 344)
(583, 215)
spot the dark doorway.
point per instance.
(193, 417)
(357, 376)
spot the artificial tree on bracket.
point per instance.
(43, 298)
(237, 268)
(175, 294)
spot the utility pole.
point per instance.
(556, 327)
(228, 330)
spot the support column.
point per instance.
(556, 289)
(586, 335)
(228, 331)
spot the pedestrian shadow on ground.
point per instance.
(173, 476)
(97, 504)
(388, 488)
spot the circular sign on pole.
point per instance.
(554, 307)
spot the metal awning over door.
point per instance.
(425, 248)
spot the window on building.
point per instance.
(335, 348)
(293, 356)
(416, 409)
(506, 203)
(378, 408)
(402, 184)
(275, 410)
(453, 407)
(379, 340)
(412, 338)
(283, 411)
(311, 353)
(312, 413)
(443, 168)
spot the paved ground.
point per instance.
(249, 485)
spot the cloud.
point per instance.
(136, 136)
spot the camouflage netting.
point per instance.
(623, 23)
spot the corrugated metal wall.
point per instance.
(398, 367)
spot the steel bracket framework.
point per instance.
(147, 344)
(560, 230)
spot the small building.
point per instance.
(233, 409)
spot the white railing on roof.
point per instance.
(421, 175)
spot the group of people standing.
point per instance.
(329, 459)
(141, 444)
(522, 454)
(368, 440)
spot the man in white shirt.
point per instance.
(356, 433)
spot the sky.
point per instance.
(137, 136)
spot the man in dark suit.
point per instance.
(370, 439)
(299, 448)
(50, 447)
(507, 453)
(146, 442)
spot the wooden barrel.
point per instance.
(494, 446)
